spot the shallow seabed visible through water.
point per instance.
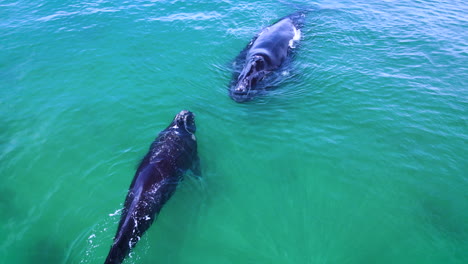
(359, 155)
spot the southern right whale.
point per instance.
(172, 153)
(263, 55)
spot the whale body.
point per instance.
(264, 55)
(172, 153)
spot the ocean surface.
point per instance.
(359, 156)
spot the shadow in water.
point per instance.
(46, 250)
(445, 218)
(7, 203)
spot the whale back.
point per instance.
(273, 43)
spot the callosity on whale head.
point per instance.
(185, 120)
(253, 72)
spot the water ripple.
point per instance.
(364, 137)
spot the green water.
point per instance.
(359, 156)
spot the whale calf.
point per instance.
(172, 153)
(263, 55)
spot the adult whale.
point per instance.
(263, 55)
(172, 153)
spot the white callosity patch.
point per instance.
(185, 124)
(296, 37)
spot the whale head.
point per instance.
(185, 120)
(246, 85)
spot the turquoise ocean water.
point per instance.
(359, 156)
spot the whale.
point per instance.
(173, 152)
(264, 54)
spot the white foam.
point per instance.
(296, 37)
(116, 212)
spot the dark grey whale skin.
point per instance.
(265, 53)
(172, 153)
